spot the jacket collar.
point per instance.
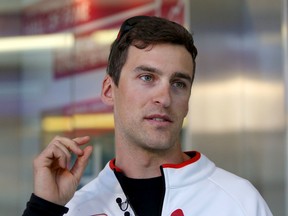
(176, 175)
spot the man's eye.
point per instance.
(179, 85)
(146, 78)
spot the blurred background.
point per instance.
(53, 56)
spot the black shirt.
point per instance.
(40, 207)
(145, 196)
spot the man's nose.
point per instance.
(162, 95)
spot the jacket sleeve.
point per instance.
(40, 207)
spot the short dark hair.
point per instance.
(142, 31)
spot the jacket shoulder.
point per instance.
(240, 191)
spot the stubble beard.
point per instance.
(157, 141)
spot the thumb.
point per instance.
(81, 163)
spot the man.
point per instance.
(149, 78)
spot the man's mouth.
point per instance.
(159, 118)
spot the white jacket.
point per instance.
(195, 187)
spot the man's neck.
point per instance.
(141, 164)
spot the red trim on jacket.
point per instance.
(113, 166)
(195, 156)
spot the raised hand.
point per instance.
(53, 179)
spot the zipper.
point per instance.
(163, 189)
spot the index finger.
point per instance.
(73, 145)
(82, 140)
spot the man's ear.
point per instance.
(107, 91)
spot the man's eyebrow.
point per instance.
(147, 68)
(183, 76)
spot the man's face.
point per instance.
(152, 97)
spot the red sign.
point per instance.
(54, 15)
(85, 17)
(88, 106)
